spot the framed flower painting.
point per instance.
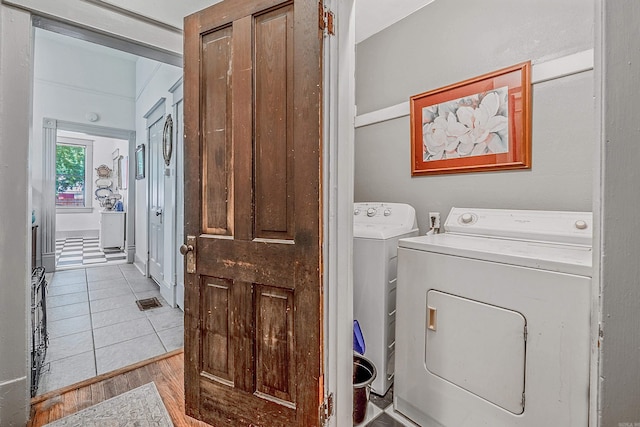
(480, 124)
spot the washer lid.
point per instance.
(573, 259)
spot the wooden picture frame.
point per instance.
(140, 161)
(480, 124)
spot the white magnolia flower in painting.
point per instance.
(485, 126)
(442, 135)
(469, 126)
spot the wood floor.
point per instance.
(166, 371)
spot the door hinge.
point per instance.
(326, 20)
(526, 333)
(523, 400)
(326, 409)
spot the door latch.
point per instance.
(189, 251)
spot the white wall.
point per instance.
(438, 46)
(87, 224)
(617, 195)
(15, 108)
(68, 84)
(153, 81)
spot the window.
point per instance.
(74, 163)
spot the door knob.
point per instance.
(159, 212)
(189, 252)
(184, 249)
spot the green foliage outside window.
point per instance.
(70, 169)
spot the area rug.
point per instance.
(140, 407)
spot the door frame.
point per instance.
(50, 129)
(177, 266)
(338, 173)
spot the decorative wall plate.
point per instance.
(103, 182)
(103, 171)
(102, 193)
(167, 140)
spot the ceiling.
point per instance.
(373, 16)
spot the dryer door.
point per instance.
(478, 347)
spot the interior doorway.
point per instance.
(89, 213)
(91, 199)
(86, 92)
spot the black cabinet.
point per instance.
(39, 335)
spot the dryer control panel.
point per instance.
(545, 226)
(397, 214)
(383, 220)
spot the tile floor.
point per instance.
(74, 252)
(95, 326)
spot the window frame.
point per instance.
(88, 168)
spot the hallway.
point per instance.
(95, 325)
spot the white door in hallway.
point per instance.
(179, 146)
(156, 198)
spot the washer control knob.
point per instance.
(466, 218)
(387, 212)
(371, 211)
(356, 212)
(581, 225)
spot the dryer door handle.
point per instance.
(432, 318)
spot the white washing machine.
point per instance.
(376, 230)
(493, 320)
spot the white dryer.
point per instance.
(376, 230)
(493, 320)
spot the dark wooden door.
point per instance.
(253, 309)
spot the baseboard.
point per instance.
(168, 292)
(49, 262)
(140, 265)
(77, 233)
(131, 253)
(14, 408)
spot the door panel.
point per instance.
(217, 334)
(253, 325)
(275, 350)
(217, 151)
(274, 110)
